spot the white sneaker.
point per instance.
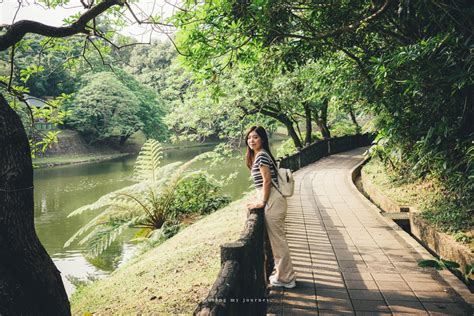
(277, 283)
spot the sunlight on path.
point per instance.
(347, 259)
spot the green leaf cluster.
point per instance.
(104, 110)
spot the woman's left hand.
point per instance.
(256, 205)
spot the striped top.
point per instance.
(263, 159)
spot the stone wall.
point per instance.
(440, 243)
(443, 245)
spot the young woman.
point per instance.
(262, 164)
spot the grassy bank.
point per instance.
(60, 160)
(170, 278)
(429, 197)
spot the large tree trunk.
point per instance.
(322, 120)
(29, 280)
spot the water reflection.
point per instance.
(73, 263)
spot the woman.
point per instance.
(262, 165)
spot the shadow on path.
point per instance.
(347, 260)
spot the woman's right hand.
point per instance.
(255, 205)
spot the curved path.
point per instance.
(349, 259)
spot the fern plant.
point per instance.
(146, 204)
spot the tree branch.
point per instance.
(100, 55)
(344, 29)
(12, 58)
(145, 21)
(16, 31)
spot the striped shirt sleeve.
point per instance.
(263, 160)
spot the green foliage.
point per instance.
(342, 128)
(430, 86)
(104, 110)
(54, 66)
(51, 111)
(410, 68)
(287, 146)
(198, 195)
(158, 236)
(463, 238)
(468, 274)
(41, 65)
(151, 65)
(261, 94)
(440, 264)
(147, 166)
(151, 107)
(150, 204)
(452, 210)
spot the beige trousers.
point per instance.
(275, 213)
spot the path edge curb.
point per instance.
(447, 276)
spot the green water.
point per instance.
(61, 190)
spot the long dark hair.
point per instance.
(250, 155)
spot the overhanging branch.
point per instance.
(18, 30)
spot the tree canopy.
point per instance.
(105, 108)
(407, 64)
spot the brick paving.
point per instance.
(348, 259)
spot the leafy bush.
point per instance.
(287, 147)
(158, 236)
(452, 210)
(448, 206)
(198, 195)
(104, 110)
(424, 117)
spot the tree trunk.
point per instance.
(309, 128)
(123, 139)
(287, 122)
(293, 135)
(322, 120)
(29, 280)
(354, 120)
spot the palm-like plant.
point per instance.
(145, 204)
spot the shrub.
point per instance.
(198, 195)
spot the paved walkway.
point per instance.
(350, 260)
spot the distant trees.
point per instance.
(302, 98)
(112, 107)
(105, 109)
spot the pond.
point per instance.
(61, 190)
